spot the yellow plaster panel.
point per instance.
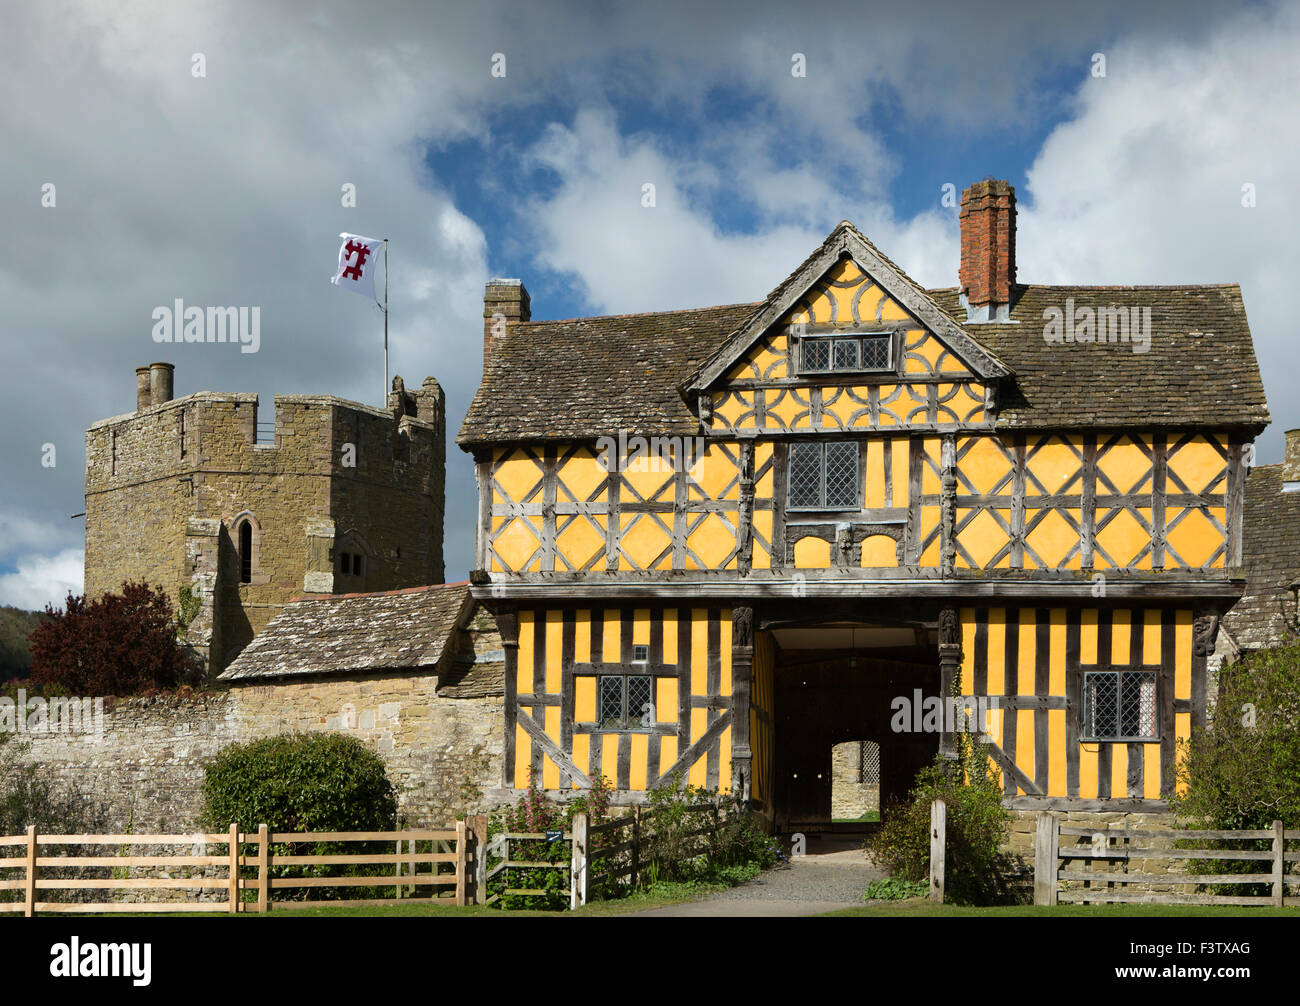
(983, 465)
(1056, 654)
(1151, 636)
(1121, 635)
(875, 474)
(611, 628)
(1126, 465)
(584, 701)
(1056, 781)
(640, 755)
(581, 477)
(520, 478)
(582, 636)
(812, 553)
(1088, 636)
(1151, 771)
(582, 754)
(1198, 465)
(879, 550)
(713, 540)
(997, 644)
(670, 637)
(1183, 655)
(900, 456)
(554, 643)
(1026, 646)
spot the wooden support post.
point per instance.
(938, 840)
(1279, 865)
(397, 870)
(234, 869)
(578, 867)
(636, 845)
(480, 858)
(460, 863)
(1046, 858)
(263, 868)
(29, 890)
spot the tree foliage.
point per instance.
(1243, 770)
(118, 644)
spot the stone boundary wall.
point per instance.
(147, 768)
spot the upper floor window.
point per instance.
(851, 351)
(824, 476)
(351, 564)
(625, 701)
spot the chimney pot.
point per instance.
(143, 396)
(161, 377)
(988, 250)
(505, 302)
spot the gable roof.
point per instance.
(586, 378)
(351, 633)
(1270, 553)
(846, 239)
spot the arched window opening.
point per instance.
(245, 552)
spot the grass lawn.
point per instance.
(870, 817)
(663, 895)
(921, 907)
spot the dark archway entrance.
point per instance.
(837, 683)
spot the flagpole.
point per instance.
(385, 398)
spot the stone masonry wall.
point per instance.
(148, 768)
(368, 480)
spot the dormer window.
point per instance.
(846, 351)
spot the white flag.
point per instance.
(357, 258)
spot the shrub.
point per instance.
(118, 644)
(1239, 772)
(305, 782)
(536, 814)
(299, 782)
(975, 871)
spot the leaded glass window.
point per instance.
(1119, 705)
(625, 701)
(847, 352)
(824, 475)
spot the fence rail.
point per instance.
(437, 860)
(1058, 869)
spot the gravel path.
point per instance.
(826, 879)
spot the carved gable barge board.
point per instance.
(845, 240)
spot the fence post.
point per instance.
(460, 863)
(1279, 865)
(234, 869)
(636, 844)
(578, 863)
(480, 858)
(263, 868)
(29, 892)
(1046, 857)
(938, 837)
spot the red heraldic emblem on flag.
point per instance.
(357, 259)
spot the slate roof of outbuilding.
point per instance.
(585, 378)
(355, 633)
(1270, 548)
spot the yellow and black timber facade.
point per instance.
(720, 541)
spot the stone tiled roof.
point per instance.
(356, 633)
(1270, 549)
(1209, 378)
(591, 377)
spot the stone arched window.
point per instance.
(248, 546)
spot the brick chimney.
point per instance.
(988, 250)
(505, 302)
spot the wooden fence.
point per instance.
(1076, 864)
(248, 869)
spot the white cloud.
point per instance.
(43, 579)
(1144, 184)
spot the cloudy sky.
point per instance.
(225, 188)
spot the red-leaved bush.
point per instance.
(119, 644)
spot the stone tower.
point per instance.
(194, 492)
